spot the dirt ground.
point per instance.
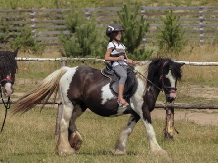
(202, 117)
(205, 117)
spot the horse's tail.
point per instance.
(41, 93)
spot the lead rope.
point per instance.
(7, 106)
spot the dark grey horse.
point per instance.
(8, 68)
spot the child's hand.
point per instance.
(137, 63)
(121, 58)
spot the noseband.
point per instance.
(7, 80)
(166, 88)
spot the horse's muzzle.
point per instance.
(171, 96)
(8, 89)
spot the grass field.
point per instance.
(30, 138)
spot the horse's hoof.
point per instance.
(118, 152)
(66, 152)
(160, 152)
(75, 140)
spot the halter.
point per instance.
(168, 89)
(6, 104)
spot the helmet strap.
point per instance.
(113, 37)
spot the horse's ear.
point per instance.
(16, 51)
(181, 64)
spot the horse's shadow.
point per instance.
(104, 152)
(29, 154)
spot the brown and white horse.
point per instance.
(84, 87)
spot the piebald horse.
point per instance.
(85, 87)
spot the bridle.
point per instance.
(6, 103)
(161, 79)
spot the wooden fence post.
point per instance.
(58, 120)
(33, 25)
(60, 106)
(143, 13)
(201, 22)
(63, 61)
(87, 13)
(168, 133)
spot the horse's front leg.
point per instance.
(154, 146)
(63, 147)
(120, 145)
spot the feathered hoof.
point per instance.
(66, 152)
(75, 140)
(160, 152)
(118, 152)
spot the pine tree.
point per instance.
(84, 39)
(135, 26)
(171, 34)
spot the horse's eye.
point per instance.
(166, 71)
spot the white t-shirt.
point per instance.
(117, 49)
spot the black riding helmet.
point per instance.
(113, 28)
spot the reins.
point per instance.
(7, 106)
(140, 74)
(146, 78)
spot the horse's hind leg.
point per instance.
(63, 147)
(120, 146)
(75, 138)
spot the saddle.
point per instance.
(130, 86)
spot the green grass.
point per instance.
(30, 138)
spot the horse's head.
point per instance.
(167, 73)
(8, 68)
(170, 74)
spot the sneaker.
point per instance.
(122, 102)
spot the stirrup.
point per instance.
(122, 102)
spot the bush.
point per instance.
(26, 42)
(4, 31)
